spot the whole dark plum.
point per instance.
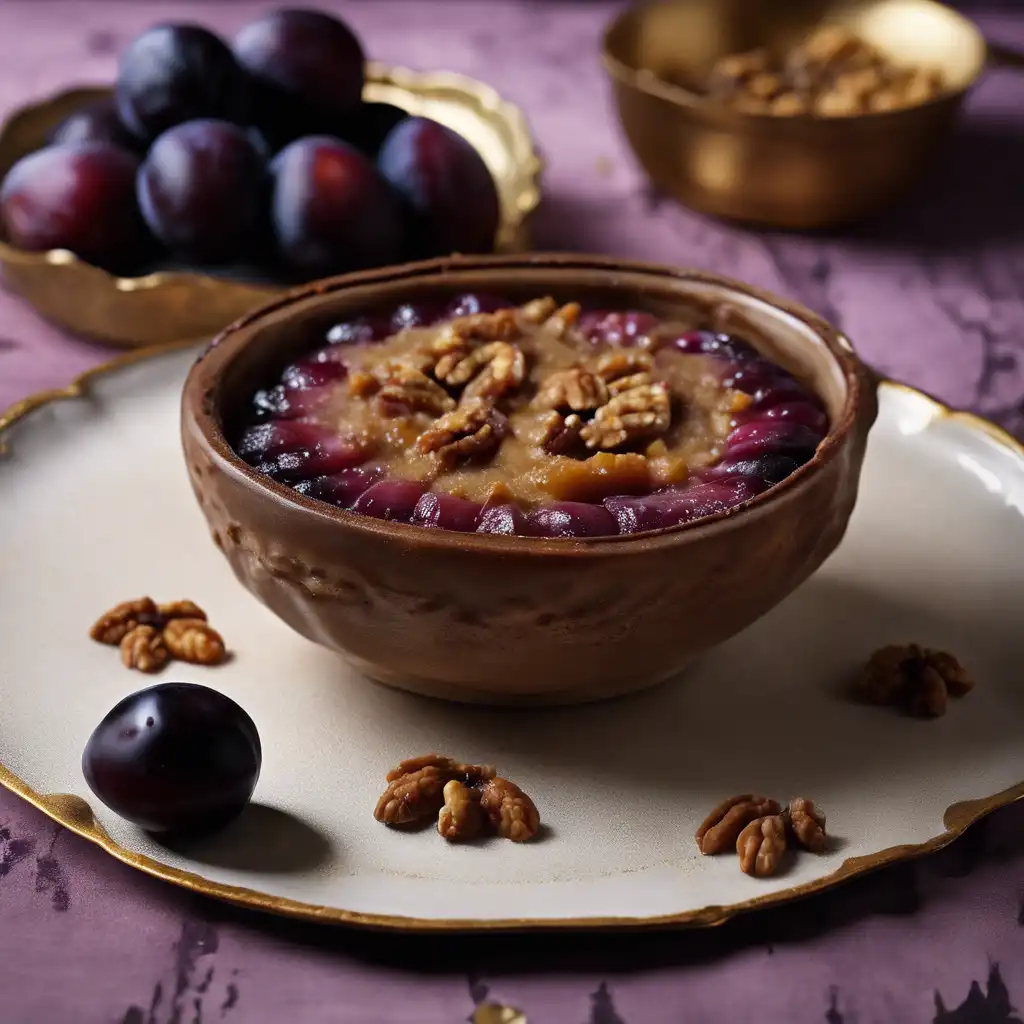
(331, 211)
(450, 196)
(174, 758)
(306, 69)
(79, 197)
(203, 191)
(95, 122)
(369, 124)
(176, 73)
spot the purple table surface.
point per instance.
(932, 293)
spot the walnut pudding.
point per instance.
(533, 420)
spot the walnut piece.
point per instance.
(413, 797)
(807, 823)
(721, 828)
(406, 389)
(180, 610)
(561, 434)
(536, 311)
(461, 817)
(113, 626)
(194, 641)
(638, 411)
(915, 678)
(143, 648)
(563, 319)
(488, 371)
(512, 814)
(469, 773)
(471, 431)
(761, 845)
(573, 390)
(614, 365)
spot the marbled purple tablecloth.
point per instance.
(933, 294)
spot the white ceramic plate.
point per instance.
(95, 508)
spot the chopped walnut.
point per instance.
(194, 641)
(761, 845)
(538, 310)
(721, 828)
(488, 372)
(512, 814)
(461, 817)
(563, 319)
(180, 610)
(112, 627)
(913, 677)
(143, 648)
(614, 365)
(807, 823)
(473, 430)
(561, 434)
(576, 390)
(637, 412)
(404, 388)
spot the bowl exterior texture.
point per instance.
(514, 620)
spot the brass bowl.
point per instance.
(787, 172)
(173, 305)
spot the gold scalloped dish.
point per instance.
(171, 305)
(621, 785)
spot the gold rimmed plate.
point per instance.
(96, 508)
(174, 304)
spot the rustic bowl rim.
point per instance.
(647, 82)
(377, 72)
(201, 404)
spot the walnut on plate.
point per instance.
(761, 845)
(807, 823)
(721, 828)
(461, 817)
(917, 679)
(114, 625)
(512, 814)
(195, 641)
(143, 648)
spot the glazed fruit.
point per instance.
(176, 73)
(95, 122)
(306, 68)
(203, 191)
(175, 758)
(331, 211)
(79, 197)
(448, 191)
(470, 414)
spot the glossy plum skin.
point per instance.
(449, 194)
(175, 758)
(203, 191)
(79, 197)
(331, 211)
(95, 122)
(306, 69)
(772, 437)
(174, 73)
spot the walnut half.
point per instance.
(914, 678)
(472, 431)
(762, 845)
(721, 828)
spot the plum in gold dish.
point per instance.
(861, 149)
(213, 174)
(671, 549)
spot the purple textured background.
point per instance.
(931, 293)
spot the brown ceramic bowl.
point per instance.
(510, 620)
(789, 172)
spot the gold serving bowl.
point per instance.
(173, 305)
(789, 172)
